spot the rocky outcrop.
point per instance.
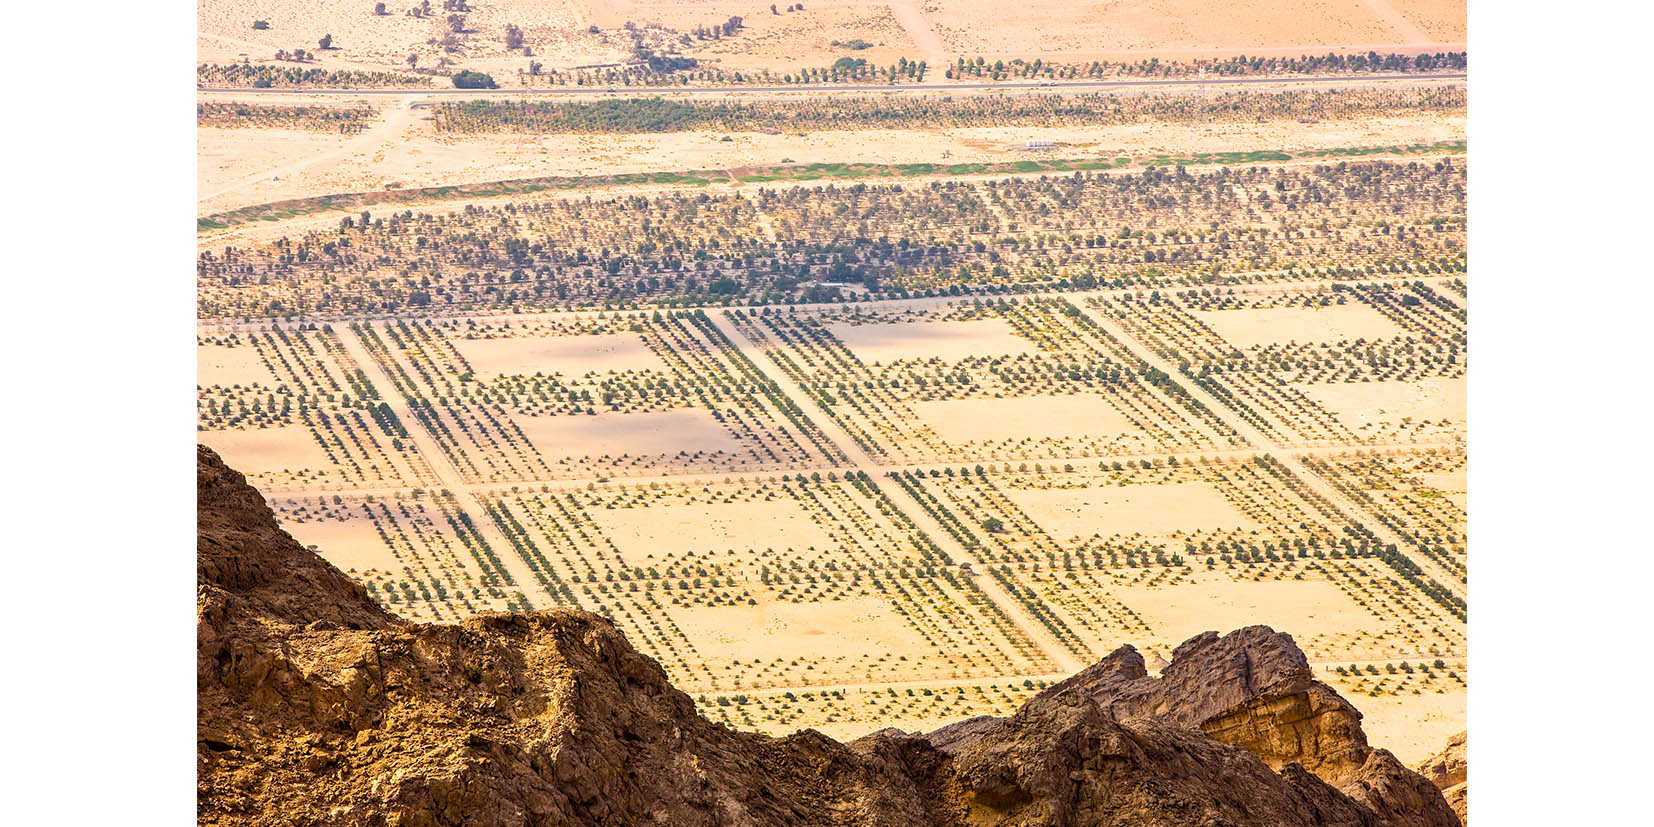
(1063, 761)
(1251, 689)
(1450, 772)
(358, 717)
(317, 707)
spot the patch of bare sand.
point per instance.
(352, 544)
(958, 421)
(1154, 510)
(1453, 485)
(268, 450)
(230, 366)
(641, 434)
(225, 160)
(851, 627)
(645, 535)
(570, 356)
(1165, 27)
(796, 40)
(1253, 327)
(951, 341)
(1211, 600)
(555, 29)
(423, 158)
(1387, 403)
(1440, 20)
(1414, 727)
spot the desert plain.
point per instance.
(860, 397)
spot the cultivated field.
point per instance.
(847, 516)
(859, 409)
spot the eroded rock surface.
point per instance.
(317, 707)
(1253, 689)
(1449, 771)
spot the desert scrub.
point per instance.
(261, 76)
(344, 120)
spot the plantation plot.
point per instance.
(701, 407)
(1367, 405)
(569, 356)
(1069, 514)
(289, 448)
(1073, 416)
(886, 342)
(834, 579)
(230, 366)
(417, 556)
(298, 412)
(626, 434)
(645, 535)
(1254, 327)
(1420, 495)
(1073, 391)
(1340, 364)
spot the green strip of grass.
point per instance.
(793, 172)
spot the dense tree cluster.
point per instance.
(653, 114)
(1161, 228)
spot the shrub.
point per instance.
(474, 80)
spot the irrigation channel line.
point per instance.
(1041, 637)
(1294, 464)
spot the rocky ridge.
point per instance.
(1450, 771)
(318, 707)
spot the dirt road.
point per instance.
(391, 127)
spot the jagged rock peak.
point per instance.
(317, 707)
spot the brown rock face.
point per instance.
(1063, 761)
(1251, 689)
(1449, 770)
(317, 707)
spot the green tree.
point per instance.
(473, 80)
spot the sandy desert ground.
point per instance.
(937, 32)
(895, 514)
(239, 167)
